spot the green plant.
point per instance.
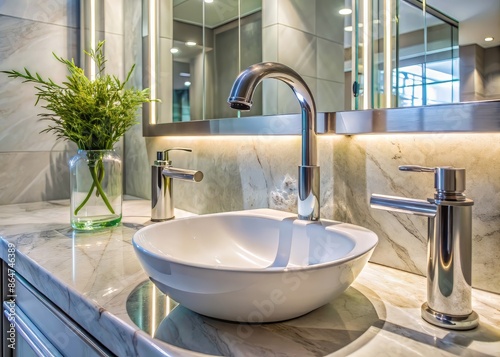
(92, 113)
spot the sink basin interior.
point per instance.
(228, 265)
(245, 242)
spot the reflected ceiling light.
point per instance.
(349, 28)
(191, 43)
(174, 50)
(488, 39)
(345, 11)
(185, 74)
(187, 83)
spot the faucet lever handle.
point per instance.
(163, 155)
(449, 181)
(416, 168)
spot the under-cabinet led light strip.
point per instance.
(152, 31)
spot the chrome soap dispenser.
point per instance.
(162, 173)
(449, 261)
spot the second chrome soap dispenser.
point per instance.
(449, 261)
(162, 173)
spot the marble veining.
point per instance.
(250, 172)
(369, 164)
(91, 276)
(60, 12)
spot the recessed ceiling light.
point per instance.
(488, 39)
(345, 11)
(174, 50)
(187, 83)
(190, 43)
(348, 28)
(209, 1)
(184, 74)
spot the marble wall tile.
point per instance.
(35, 165)
(329, 23)
(251, 172)
(34, 176)
(25, 43)
(287, 102)
(137, 166)
(330, 60)
(269, 46)
(299, 53)
(293, 40)
(330, 96)
(297, 14)
(368, 164)
(269, 12)
(132, 40)
(114, 51)
(245, 173)
(492, 72)
(114, 16)
(60, 12)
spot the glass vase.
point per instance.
(96, 189)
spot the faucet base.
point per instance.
(309, 183)
(467, 322)
(162, 219)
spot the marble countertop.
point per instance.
(97, 280)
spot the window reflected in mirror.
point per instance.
(405, 54)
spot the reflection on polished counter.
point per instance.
(97, 280)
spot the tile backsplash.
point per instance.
(252, 172)
(34, 165)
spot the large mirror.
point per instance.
(202, 46)
(429, 56)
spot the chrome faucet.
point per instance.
(240, 98)
(162, 173)
(449, 262)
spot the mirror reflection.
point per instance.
(212, 42)
(409, 62)
(397, 53)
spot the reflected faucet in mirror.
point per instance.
(240, 98)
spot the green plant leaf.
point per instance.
(94, 114)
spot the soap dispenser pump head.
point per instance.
(162, 156)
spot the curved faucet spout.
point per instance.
(244, 86)
(241, 98)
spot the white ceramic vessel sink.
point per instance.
(253, 266)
